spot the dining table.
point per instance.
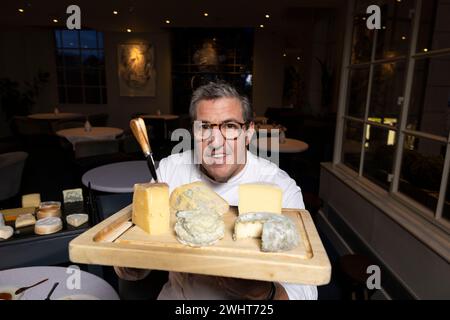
(70, 283)
(74, 135)
(52, 116)
(119, 177)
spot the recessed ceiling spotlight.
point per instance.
(267, 16)
(261, 26)
(205, 14)
(298, 58)
(284, 54)
(55, 20)
(425, 50)
(21, 10)
(128, 30)
(167, 21)
(115, 12)
(403, 38)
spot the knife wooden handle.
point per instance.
(140, 135)
(144, 130)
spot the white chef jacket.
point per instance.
(179, 169)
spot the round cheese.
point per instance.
(6, 232)
(48, 225)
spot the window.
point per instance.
(395, 124)
(80, 66)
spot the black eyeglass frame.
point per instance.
(242, 124)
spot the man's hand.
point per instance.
(250, 289)
(131, 274)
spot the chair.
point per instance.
(96, 147)
(11, 169)
(99, 119)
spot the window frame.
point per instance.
(101, 87)
(434, 217)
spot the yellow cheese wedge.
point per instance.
(31, 200)
(25, 220)
(260, 197)
(197, 196)
(151, 207)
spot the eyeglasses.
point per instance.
(230, 130)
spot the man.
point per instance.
(222, 131)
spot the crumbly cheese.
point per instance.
(25, 220)
(260, 197)
(197, 196)
(151, 207)
(198, 229)
(31, 200)
(277, 232)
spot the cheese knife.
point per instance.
(140, 133)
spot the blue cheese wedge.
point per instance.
(277, 232)
(199, 229)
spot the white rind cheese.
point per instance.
(25, 220)
(48, 226)
(73, 195)
(260, 197)
(199, 229)
(6, 232)
(197, 196)
(77, 219)
(277, 232)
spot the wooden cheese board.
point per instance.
(117, 242)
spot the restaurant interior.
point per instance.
(360, 108)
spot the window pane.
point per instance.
(92, 95)
(395, 35)
(387, 88)
(102, 77)
(379, 155)
(90, 58)
(362, 37)
(100, 40)
(74, 95)
(58, 41)
(421, 172)
(434, 29)
(356, 101)
(430, 100)
(91, 77)
(73, 77)
(88, 39)
(351, 144)
(70, 39)
(71, 58)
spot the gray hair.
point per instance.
(217, 90)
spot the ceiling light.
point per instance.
(115, 12)
(267, 16)
(21, 10)
(298, 58)
(55, 20)
(403, 38)
(167, 21)
(425, 50)
(284, 54)
(261, 26)
(205, 14)
(128, 30)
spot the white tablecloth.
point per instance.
(56, 116)
(118, 177)
(161, 116)
(75, 135)
(90, 286)
(289, 145)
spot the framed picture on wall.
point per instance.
(137, 72)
